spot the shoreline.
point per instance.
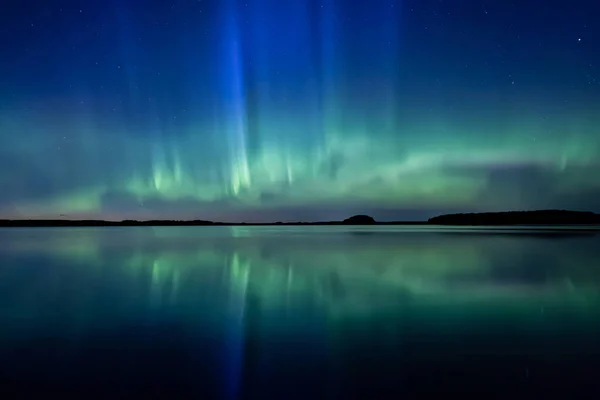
(532, 220)
(441, 227)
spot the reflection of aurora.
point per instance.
(339, 273)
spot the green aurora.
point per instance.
(394, 109)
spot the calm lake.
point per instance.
(299, 312)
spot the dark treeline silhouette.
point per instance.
(544, 217)
(67, 223)
(541, 217)
(355, 220)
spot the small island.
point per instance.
(360, 220)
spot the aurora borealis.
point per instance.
(270, 110)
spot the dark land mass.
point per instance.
(511, 218)
(359, 220)
(541, 217)
(91, 223)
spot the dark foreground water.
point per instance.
(299, 313)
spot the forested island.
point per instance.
(541, 217)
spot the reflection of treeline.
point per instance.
(542, 217)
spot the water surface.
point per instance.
(299, 312)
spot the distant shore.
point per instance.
(512, 218)
(84, 223)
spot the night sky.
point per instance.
(272, 110)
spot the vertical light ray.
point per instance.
(234, 101)
(391, 30)
(284, 85)
(328, 68)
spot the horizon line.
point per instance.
(357, 219)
